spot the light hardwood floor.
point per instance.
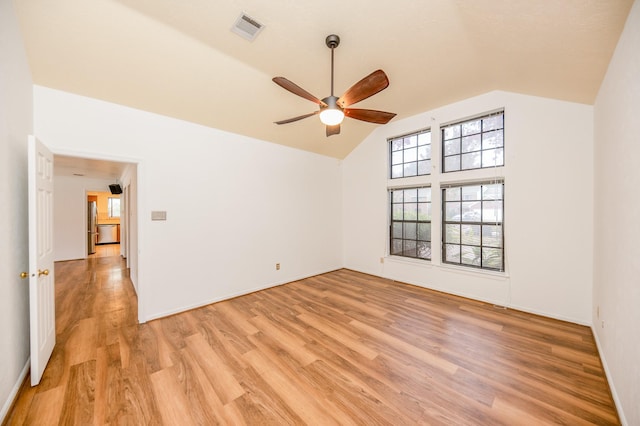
(339, 348)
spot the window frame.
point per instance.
(427, 221)
(110, 207)
(417, 160)
(470, 223)
(481, 133)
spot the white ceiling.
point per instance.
(93, 168)
(180, 59)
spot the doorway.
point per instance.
(76, 179)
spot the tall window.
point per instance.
(473, 144)
(473, 225)
(114, 207)
(411, 222)
(411, 155)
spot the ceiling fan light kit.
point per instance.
(332, 109)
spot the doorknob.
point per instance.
(24, 275)
(45, 272)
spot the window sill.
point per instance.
(484, 273)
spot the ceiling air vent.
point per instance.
(247, 27)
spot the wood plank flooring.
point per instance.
(339, 348)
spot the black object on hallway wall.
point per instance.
(115, 188)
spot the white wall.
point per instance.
(617, 230)
(548, 207)
(235, 205)
(15, 125)
(70, 215)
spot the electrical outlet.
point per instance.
(602, 323)
(598, 312)
(277, 266)
(382, 260)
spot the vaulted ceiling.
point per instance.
(180, 59)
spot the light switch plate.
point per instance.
(158, 215)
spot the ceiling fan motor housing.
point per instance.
(332, 41)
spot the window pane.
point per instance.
(471, 127)
(396, 230)
(396, 247)
(452, 233)
(492, 235)
(452, 253)
(472, 192)
(452, 147)
(396, 144)
(410, 155)
(471, 143)
(410, 211)
(492, 211)
(491, 123)
(410, 169)
(471, 160)
(410, 231)
(396, 157)
(492, 192)
(470, 255)
(409, 248)
(470, 235)
(424, 250)
(492, 139)
(492, 258)
(397, 210)
(424, 138)
(424, 194)
(410, 141)
(424, 231)
(411, 195)
(424, 167)
(424, 152)
(396, 171)
(451, 132)
(490, 158)
(451, 164)
(452, 211)
(424, 211)
(452, 194)
(398, 196)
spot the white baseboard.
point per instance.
(607, 373)
(14, 392)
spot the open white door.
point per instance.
(41, 272)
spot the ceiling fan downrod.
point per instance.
(332, 42)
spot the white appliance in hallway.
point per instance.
(108, 234)
(92, 226)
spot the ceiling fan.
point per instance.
(333, 109)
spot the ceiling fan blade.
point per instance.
(370, 115)
(296, 90)
(333, 130)
(368, 86)
(300, 117)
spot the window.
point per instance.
(472, 226)
(473, 144)
(411, 222)
(411, 155)
(114, 207)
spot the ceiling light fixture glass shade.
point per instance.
(331, 116)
